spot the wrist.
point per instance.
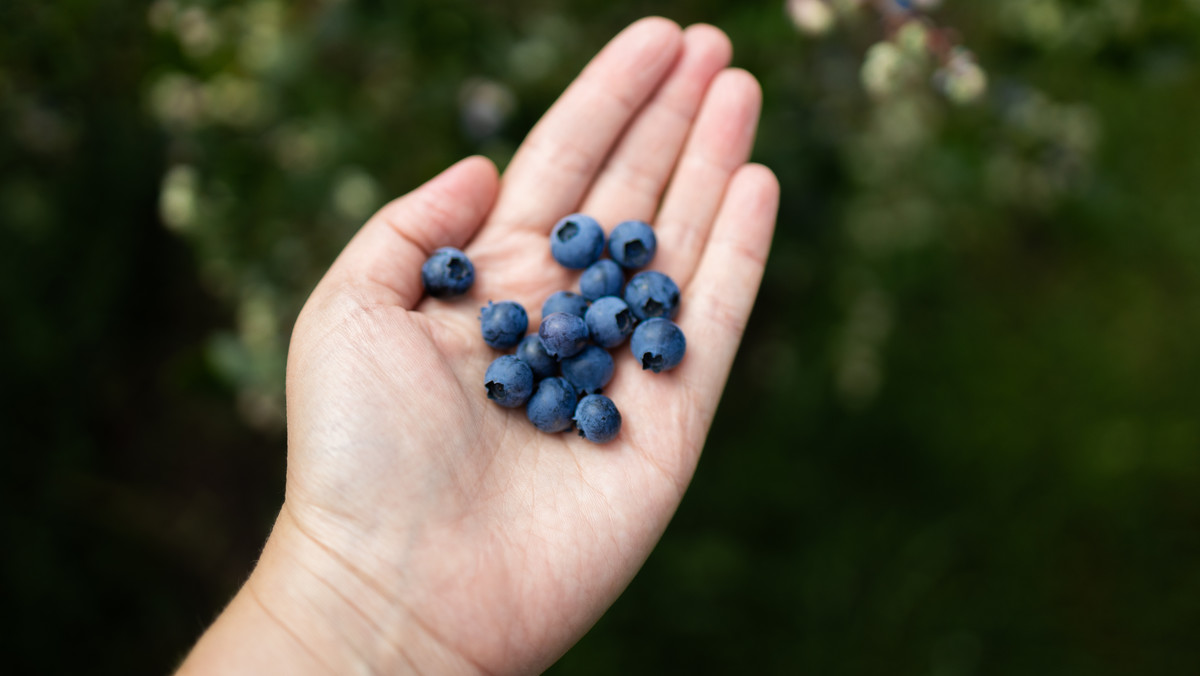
(306, 609)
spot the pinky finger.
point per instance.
(722, 292)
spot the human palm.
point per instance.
(446, 521)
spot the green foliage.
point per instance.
(961, 436)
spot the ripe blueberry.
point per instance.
(602, 278)
(577, 241)
(609, 321)
(652, 294)
(597, 418)
(658, 344)
(503, 323)
(563, 335)
(448, 272)
(531, 352)
(552, 405)
(589, 370)
(509, 381)
(632, 244)
(564, 301)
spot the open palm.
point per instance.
(464, 537)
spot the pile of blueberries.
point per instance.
(558, 373)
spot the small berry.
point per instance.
(652, 294)
(602, 278)
(597, 419)
(448, 272)
(589, 370)
(509, 381)
(632, 244)
(533, 353)
(503, 323)
(609, 321)
(565, 301)
(552, 405)
(577, 241)
(563, 335)
(658, 344)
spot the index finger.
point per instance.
(553, 168)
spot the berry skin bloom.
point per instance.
(589, 370)
(652, 294)
(563, 335)
(658, 344)
(602, 278)
(533, 353)
(447, 273)
(609, 321)
(597, 419)
(503, 324)
(509, 381)
(577, 241)
(632, 244)
(564, 301)
(552, 405)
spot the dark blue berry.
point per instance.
(609, 321)
(503, 323)
(632, 244)
(658, 344)
(577, 241)
(602, 278)
(448, 272)
(652, 294)
(540, 362)
(597, 419)
(552, 405)
(509, 381)
(563, 335)
(589, 370)
(565, 301)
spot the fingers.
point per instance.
(631, 182)
(719, 144)
(721, 294)
(387, 253)
(553, 168)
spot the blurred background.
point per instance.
(962, 434)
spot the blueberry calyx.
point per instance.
(455, 269)
(624, 321)
(653, 362)
(568, 231)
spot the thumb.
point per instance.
(388, 251)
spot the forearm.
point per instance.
(302, 612)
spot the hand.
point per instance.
(425, 528)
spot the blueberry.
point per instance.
(563, 335)
(597, 418)
(659, 344)
(652, 294)
(540, 362)
(448, 272)
(565, 301)
(577, 241)
(552, 405)
(503, 323)
(589, 370)
(632, 244)
(609, 321)
(602, 278)
(509, 381)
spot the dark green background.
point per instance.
(961, 436)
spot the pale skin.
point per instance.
(425, 529)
